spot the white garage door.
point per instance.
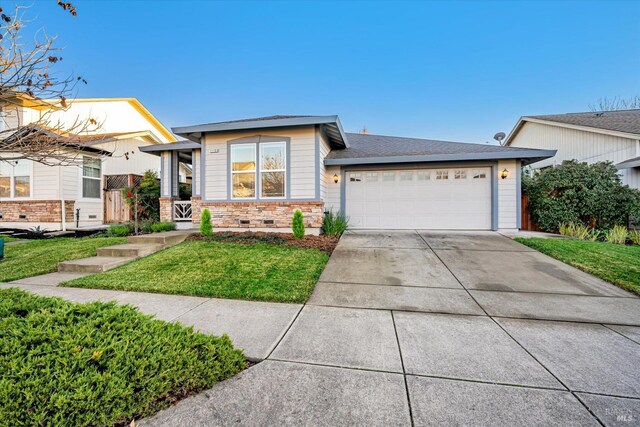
(446, 199)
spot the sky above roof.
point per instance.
(458, 71)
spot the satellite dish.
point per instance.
(499, 136)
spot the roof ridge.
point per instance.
(583, 112)
(486, 144)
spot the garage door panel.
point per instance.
(417, 199)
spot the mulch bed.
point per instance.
(322, 242)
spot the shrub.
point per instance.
(66, 364)
(163, 226)
(148, 199)
(578, 231)
(591, 195)
(334, 224)
(36, 233)
(297, 224)
(206, 228)
(146, 226)
(118, 230)
(617, 235)
(634, 236)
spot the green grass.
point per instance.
(8, 239)
(98, 364)
(42, 256)
(259, 272)
(617, 264)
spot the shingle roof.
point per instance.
(387, 149)
(627, 121)
(256, 119)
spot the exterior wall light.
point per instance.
(504, 174)
(336, 178)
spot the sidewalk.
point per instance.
(255, 327)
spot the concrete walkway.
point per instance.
(418, 328)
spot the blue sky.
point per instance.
(458, 71)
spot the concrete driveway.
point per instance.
(441, 328)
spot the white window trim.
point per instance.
(12, 183)
(257, 172)
(81, 197)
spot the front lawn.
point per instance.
(617, 264)
(8, 239)
(99, 364)
(42, 256)
(258, 272)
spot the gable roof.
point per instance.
(373, 149)
(620, 123)
(329, 124)
(33, 133)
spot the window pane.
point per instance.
(22, 186)
(22, 168)
(243, 157)
(372, 176)
(244, 185)
(406, 176)
(272, 184)
(389, 176)
(91, 188)
(91, 167)
(424, 175)
(5, 186)
(442, 175)
(479, 174)
(461, 174)
(272, 156)
(355, 177)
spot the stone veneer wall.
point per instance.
(166, 208)
(35, 211)
(195, 209)
(277, 214)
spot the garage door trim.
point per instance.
(493, 167)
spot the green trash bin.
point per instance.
(1, 249)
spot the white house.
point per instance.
(586, 137)
(254, 173)
(74, 196)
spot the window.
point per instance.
(389, 176)
(272, 169)
(266, 180)
(406, 176)
(91, 177)
(243, 171)
(5, 179)
(424, 175)
(479, 174)
(15, 178)
(355, 177)
(372, 176)
(460, 174)
(442, 174)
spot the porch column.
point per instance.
(195, 186)
(168, 184)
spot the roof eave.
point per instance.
(529, 156)
(591, 129)
(194, 133)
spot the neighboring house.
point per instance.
(255, 173)
(73, 196)
(586, 137)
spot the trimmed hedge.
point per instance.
(159, 227)
(99, 364)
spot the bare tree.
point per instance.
(28, 81)
(616, 103)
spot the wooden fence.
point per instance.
(527, 223)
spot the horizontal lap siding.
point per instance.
(580, 145)
(507, 195)
(332, 196)
(302, 161)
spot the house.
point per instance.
(587, 137)
(254, 173)
(87, 194)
